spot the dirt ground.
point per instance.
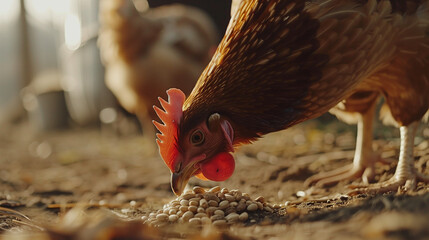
(109, 180)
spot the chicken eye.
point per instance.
(197, 138)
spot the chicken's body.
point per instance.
(146, 54)
(282, 62)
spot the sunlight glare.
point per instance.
(72, 32)
(9, 10)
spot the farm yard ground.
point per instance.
(87, 182)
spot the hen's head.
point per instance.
(202, 151)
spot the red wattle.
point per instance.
(219, 168)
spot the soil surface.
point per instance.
(95, 183)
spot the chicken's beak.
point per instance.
(178, 183)
(180, 179)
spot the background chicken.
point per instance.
(146, 54)
(282, 62)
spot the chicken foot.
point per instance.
(364, 159)
(406, 174)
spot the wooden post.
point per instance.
(27, 71)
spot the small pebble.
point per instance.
(301, 194)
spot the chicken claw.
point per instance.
(406, 175)
(364, 160)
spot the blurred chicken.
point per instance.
(282, 62)
(146, 54)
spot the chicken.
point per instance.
(146, 54)
(282, 62)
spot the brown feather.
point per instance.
(285, 61)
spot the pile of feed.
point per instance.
(216, 206)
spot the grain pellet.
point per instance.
(184, 202)
(188, 196)
(219, 212)
(219, 223)
(211, 210)
(224, 204)
(200, 215)
(229, 197)
(206, 220)
(243, 216)
(173, 218)
(172, 211)
(201, 210)
(260, 199)
(214, 189)
(204, 203)
(268, 209)
(213, 203)
(216, 217)
(195, 221)
(232, 217)
(198, 190)
(162, 217)
(252, 207)
(193, 209)
(216, 206)
(211, 196)
(241, 206)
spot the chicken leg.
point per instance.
(405, 175)
(364, 159)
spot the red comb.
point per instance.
(170, 118)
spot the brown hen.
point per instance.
(145, 54)
(282, 62)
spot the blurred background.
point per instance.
(51, 71)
